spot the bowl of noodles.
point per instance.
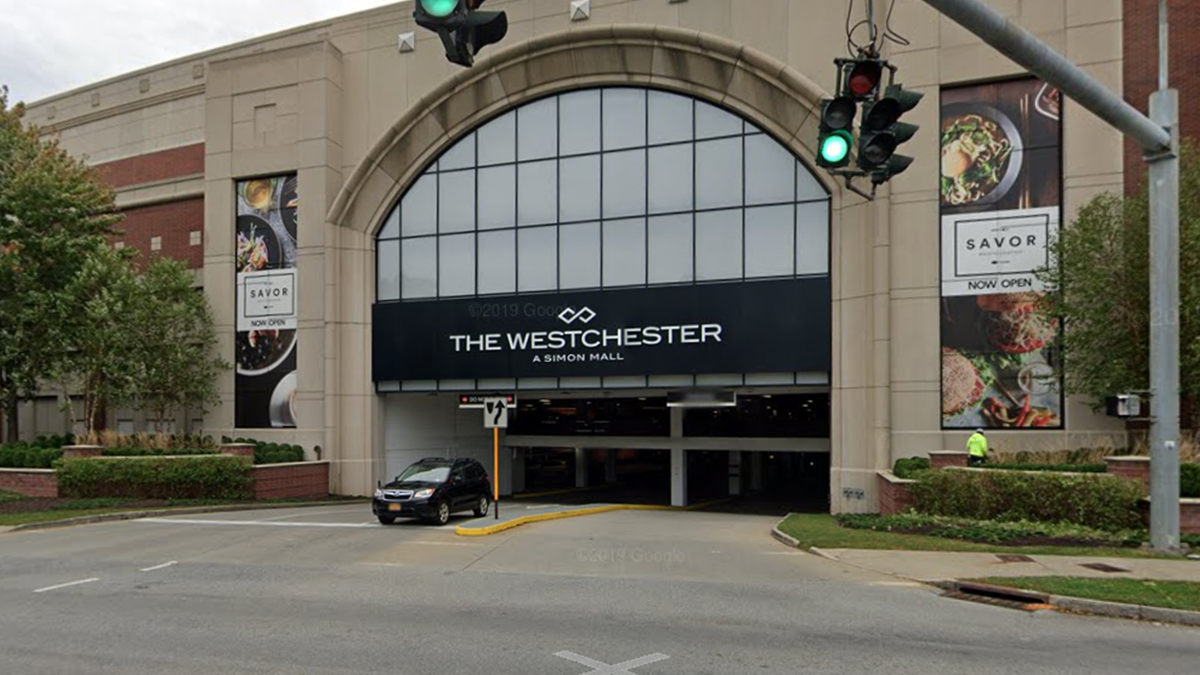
(981, 155)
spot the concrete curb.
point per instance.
(784, 539)
(463, 530)
(1102, 608)
(157, 513)
(828, 556)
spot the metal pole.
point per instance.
(1022, 47)
(496, 471)
(1164, 313)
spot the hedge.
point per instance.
(27, 456)
(156, 452)
(909, 466)
(202, 477)
(271, 453)
(1062, 468)
(1101, 502)
(1189, 480)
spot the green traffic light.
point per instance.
(835, 147)
(440, 8)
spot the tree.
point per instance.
(140, 339)
(1100, 268)
(55, 213)
(177, 343)
(103, 356)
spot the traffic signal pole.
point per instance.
(1158, 135)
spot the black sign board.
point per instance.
(752, 327)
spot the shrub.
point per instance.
(990, 531)
(28, 456)
(204, 477)
(1063, 468)
(1189, 480)
(908, 466)
(1101, 502)
(271, 453)
(156, 452)
(146, 441)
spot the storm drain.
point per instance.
(1101, 567)
(998, 596)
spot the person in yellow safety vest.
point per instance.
(977, 448)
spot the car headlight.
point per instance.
(379, 494)
(423, 494)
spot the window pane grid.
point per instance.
(739, 185)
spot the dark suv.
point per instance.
(432, 489)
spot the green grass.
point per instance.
(11, 519)
(1169, 594)
(822, 531)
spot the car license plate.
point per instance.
(394, 507)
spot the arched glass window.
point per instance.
(604, 188)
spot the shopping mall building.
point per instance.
(615, 216)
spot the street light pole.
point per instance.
(1159, 138)
(1164, 309)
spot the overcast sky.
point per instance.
(51, 46)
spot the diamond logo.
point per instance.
(570, 315)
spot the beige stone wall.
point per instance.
(345, 98)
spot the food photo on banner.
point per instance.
(1001, 201)
(265, 392)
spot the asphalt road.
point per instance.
(327, 591)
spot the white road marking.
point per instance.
(601, 668)
(159, 567)
(297, 515)
(197, 521)
(69, 583)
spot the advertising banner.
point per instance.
(756, 327)
(1001, 205)
(266, 282)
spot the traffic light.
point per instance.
(862, 79)
(835, 132)
(463, 29)
(882, 132)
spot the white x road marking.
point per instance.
(623, 668)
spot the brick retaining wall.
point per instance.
(291, 481)
(1189, 516)
(894, 495)
(30, 482)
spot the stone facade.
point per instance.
(357, 120)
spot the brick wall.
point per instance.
(1140, 34)
(1130, 468)
(894, 495)
(173, 223)
(155, 166)
(291, 481)
(30, 482)
(1189, 516)
(945, 459)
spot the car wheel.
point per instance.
(387, 520)
(482, 506)
(443, 513)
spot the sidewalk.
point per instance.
(929, 566)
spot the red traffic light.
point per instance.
(864, 78)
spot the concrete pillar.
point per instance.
(580, 467)
(518, 470)
(678, 477)
(610, 466)
(735, 473)
(755, 474)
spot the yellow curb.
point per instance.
(539, 517)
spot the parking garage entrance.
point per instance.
(769, 452)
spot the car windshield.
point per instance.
(425, 473)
